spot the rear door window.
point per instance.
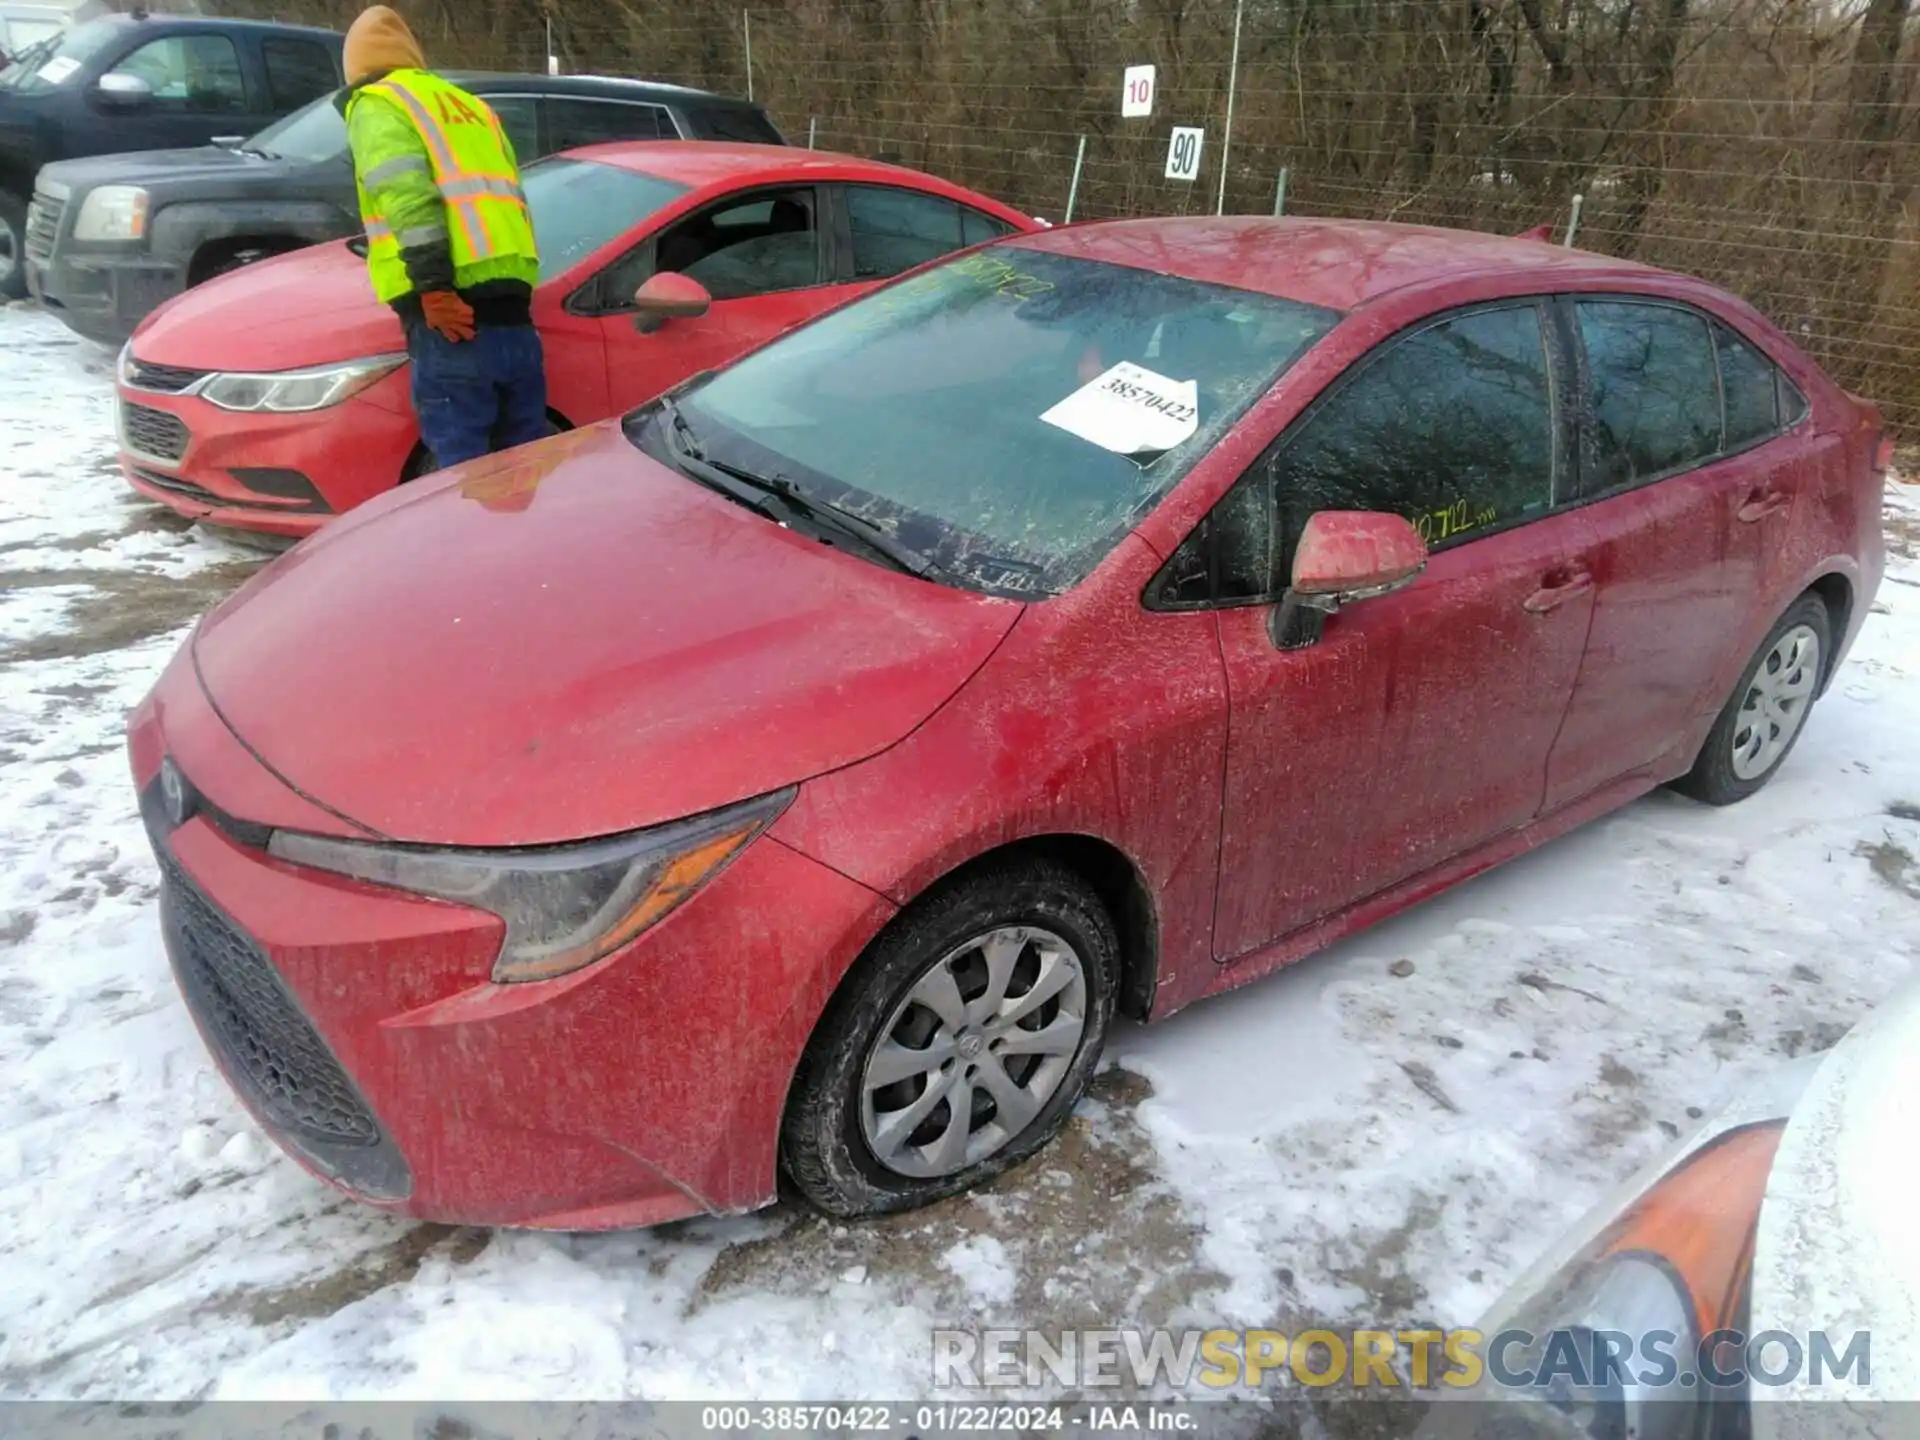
(895, 229)
(298, 71)
(1653, 392)
(575, 122)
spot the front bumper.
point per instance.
(276, 474)
(361, 1028)
(105, 294)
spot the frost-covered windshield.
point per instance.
(46, 66)
(1009, 415)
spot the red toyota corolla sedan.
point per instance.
(277, 397)
(801, 772)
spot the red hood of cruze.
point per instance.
(571, 640)
(310, 307)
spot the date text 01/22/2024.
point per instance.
(936, 1420)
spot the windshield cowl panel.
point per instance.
(1009, 415)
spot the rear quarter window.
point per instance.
(748, 126)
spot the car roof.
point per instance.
(1337, 264)
(215, 22)
(698, 163)
(608, 87)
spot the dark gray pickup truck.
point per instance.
(205, 211)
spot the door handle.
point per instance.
(1762, 503)
(1557, 589)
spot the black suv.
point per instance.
(207, 211)
(130, 81)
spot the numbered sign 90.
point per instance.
(1183, 152)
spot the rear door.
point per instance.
(1688, 498)
(1419, 725)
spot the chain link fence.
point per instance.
(1768, 145)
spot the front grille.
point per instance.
(154, 433)
(43, 226)
(167, 379)
(261, 1035)
(174, 485)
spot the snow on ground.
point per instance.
(1386, 1132)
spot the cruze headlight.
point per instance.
(292, 391)
(112, 212)
(565, 906)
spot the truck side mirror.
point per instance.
(118, 90)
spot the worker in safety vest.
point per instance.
(449, 243)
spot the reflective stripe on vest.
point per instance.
(485, 208)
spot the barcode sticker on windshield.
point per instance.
(1130, 411)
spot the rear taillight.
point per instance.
(1883, 455)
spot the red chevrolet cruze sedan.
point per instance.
(275, 398)
(800, 773)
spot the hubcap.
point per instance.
(974, 1052)
(1776, 704)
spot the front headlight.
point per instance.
(112, 212)
(291, 391)
(564, 906)
(1647, 1291)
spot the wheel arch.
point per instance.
(1835, 590)
(218, 249)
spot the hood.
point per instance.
(157, 169)
(308, 307)
(571, 640)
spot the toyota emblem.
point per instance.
(174, 795)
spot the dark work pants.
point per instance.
(480, 395)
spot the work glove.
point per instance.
(448, 315)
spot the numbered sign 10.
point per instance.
(1136, 92)
(1183, 152)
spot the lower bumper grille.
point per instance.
(155, 433)
(265, 1043)
(174, 485)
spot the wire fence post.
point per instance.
(553, 57)
(813, 129)
(746, 31)
(1233, 81)
(1073, 190)
(1573, 221)
(1280, 193)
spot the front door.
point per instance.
(1689, 502)
(764, 258)
(199, 90)
(1419, 725)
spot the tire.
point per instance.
(13, 246)
(1751, 740)
(850, 1143)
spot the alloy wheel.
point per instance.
(1778, 698)
(973, 1053)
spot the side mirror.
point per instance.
(668, 296)
(1344, 556)
(118, 90)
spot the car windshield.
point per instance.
(1008, 415)
(316, 131)
(45, 66)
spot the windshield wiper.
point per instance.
(753, 490)
(825, 513)
(681, 430)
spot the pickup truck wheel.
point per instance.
(13, 246)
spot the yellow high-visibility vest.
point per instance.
(488, 224)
